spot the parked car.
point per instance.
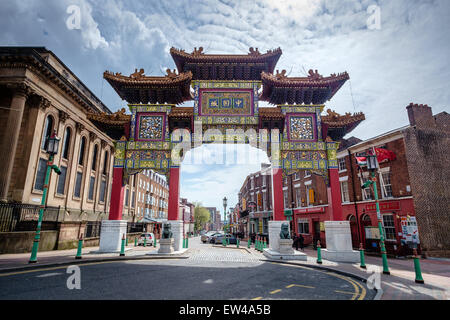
(232, 239)
(205, 237)
(150, 238)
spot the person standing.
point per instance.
(295, 241)
(301, 242)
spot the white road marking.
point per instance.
(49, 274)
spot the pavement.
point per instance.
(399, 285)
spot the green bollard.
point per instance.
(265, 245)
(122, 248)
(256, 244)
(237, 242)
(145, 241)
(135, 242)
(187, 242)
(80, 246)
(419, 278)
(319, 254)
(361, 254)
(154, 242)
(126, 241)
(249, 243)
(223, 242)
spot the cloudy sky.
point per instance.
(403, 59)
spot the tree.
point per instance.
(201, 216)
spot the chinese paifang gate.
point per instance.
(225, 91)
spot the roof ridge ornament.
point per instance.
(281, 75)
(314, 74)
(136, 74)
(172, 74)
(254, 52)
(198, 52)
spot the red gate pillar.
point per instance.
(334, 195)
(116, 204)
(278, 199)
(174, 193)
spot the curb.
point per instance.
(81, 262)
(240, 248)
(344, 273)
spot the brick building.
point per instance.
(187, 215)
(214, 219)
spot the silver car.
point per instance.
(150, 237)
(207, 236)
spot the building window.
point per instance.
(341, 164)
(102, 191)
(94, 158)
(298, 197)
(127, 195)
(309, 196)
(344, 191)
(263, 180)
(91, 188)
(367, 192)
(303, 226)
(40, 175)
(61, 180)
(133, 198)
(296, 176)
(67, 136)
(105, 163)
(81, 154)
(386, 187)
(48, 128)
(307, 173)
(77, 191)
(389, 226)
(286, 199)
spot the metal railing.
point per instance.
(92, 229)
(24, 217)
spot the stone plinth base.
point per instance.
(177, 234)
(340, 256)
(165, 246)
(274, 235)
(285, 246)
(275, 255)
(111, 235)
(339, 242)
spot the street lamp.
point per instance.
(225, 208)
(51, 147)
(372, 166)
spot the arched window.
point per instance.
(105, 163)
(66, 146)
(351, 218)
(48, 129)
(94, 158)
(81, 154)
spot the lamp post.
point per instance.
(225, 208)
(372, 166)
(51, 147)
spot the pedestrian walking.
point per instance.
(301, 242)
(295, 241)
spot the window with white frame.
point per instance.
(303, 226)
(252, 183)
(386, 187)
(308, 200)
(298, 197)
(344, 191)
(367, 193)
(286, 199)
(341, 164)
(389, 226)
(307, 173)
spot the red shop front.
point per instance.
(309, 222)
(364, 224)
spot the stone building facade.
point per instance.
(40, 95)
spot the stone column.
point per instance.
(9, 141)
